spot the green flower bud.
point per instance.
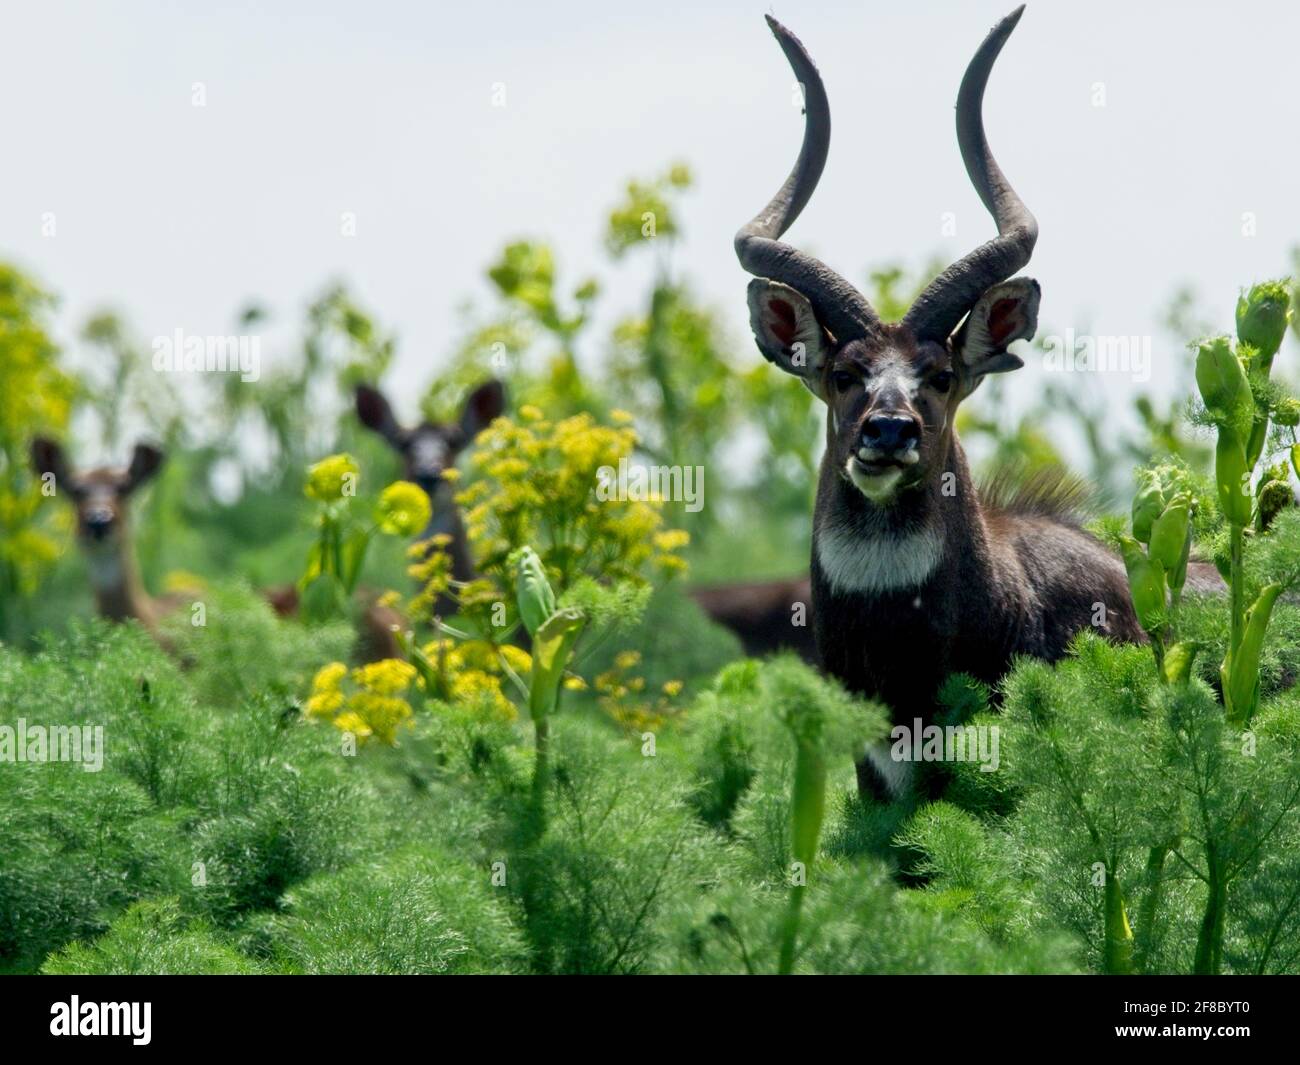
(1274, 496)
(1287, 412)
(1232, 477)
(533, 590)
(1223, 386)
(1148, 504)
(1146, 582)
(808, 805)
(1179, 660)
(1262, 319)
(1169, 535)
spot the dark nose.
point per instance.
(98, 523)
(890, 432)
(427, 477)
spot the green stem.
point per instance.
(790, 930)
(1209, 944)
(1237, 588)
(1151, 904)
(541, 774)
(1117, 954)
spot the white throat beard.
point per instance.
(855, 559)
(105, 569)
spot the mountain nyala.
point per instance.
(916, 573)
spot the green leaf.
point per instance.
(1241, 669)
(353, 557)
(1178, 661)
(1146, 582)
(552, 644)
(1232, 478)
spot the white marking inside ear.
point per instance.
(977, 340)
(855, 561)
(787, 330)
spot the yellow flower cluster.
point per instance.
(621, 695)
(36, 396)
(536, 484)
(373, 706)
(471, 674)
(332, 477)
(404, 509)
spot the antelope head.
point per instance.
(892, 389)
(429, 449)
(99, 495)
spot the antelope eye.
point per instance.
(843, 381)
(942, 381)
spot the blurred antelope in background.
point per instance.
(760, 613)
(101, 497)
(427, 451)
(766, 616)
(915, 573)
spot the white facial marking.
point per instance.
(856, 561)
(428, 450)
(908, 456)
(877, 487)
(893, 369)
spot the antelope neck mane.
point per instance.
(868, 548)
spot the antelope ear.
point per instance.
(1005, 313)
(787, 330)
(376, 414)
(47, 457)
(482, 405)
(146, 461)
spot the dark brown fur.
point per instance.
(762, 614)
(1012, 580)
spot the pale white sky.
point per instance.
(178, 214)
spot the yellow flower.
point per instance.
(389, 676)
(482, 691)
(355, 724)
(672, 688)
(626, 659)
(671, 539)
(517, 659)
(621, 417)
(530, 413)
(181, 581)
(380, 714)
(575, 684)
(404, 509)
(324, 704)
(332, 478)
(328, 678)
